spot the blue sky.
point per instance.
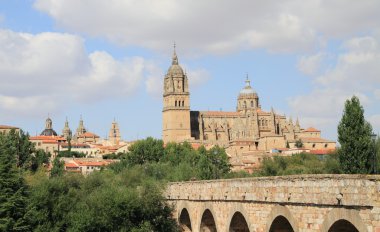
(106, 59)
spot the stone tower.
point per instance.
(81, 129)
(248, 99)
(114, 134)
(66, 132)
(176, 105)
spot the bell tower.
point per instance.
(176, 104)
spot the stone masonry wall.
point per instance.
(309, 202)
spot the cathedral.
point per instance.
(249, 128)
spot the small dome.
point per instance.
(49, 132)
(175, 70)
(247, 90)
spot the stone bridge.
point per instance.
(279, 204)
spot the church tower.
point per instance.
(176, 110)
(114, 134)
(66, 132)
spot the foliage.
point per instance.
(302, 163)
(40, 158)
(13, 191)
(147, 150)
(354, 135)
(69, 154)
(298, 143)
(58, 168)
(104, 201)
(118, 155)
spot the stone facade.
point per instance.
(261, 130)
(289, 203)
(176, 110)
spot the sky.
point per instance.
(105, 60)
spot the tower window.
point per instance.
(183, 103)
(175, 103)
(251, 103)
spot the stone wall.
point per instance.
(308, 202)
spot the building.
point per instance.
(114, 134)
(84, 136)
(248, 129)
(85, 166)
(4, 129)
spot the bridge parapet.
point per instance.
(347, 190)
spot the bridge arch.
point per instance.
(240, 214)
(281, 215)
(238, 223)
(339, 216)
(184, 220)
(208, 222)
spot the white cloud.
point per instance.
(310, 65)
(44, 72)
(356, 73)
(217, 26)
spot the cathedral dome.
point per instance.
(247, 90)
(49, 128)
(175, 70)
(49, 132)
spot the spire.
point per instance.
(297, 122)
(174, 58)
(247, 82)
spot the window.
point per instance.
(326, 145)
(251, 103)
(175, 103)
(183, 103)
(313, 145)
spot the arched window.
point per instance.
(183, 103)
(176, 103)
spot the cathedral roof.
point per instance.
(311, 129)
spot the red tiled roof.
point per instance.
(8, 127)
(45, 137)
(88, 135)
(71, 165)
(311, 129)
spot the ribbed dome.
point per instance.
(175, 70)
(247, 90)
(49, 132)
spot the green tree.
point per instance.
(147, 150)
(354, 135)
(299, 143)
(58, 168)
(13, 191)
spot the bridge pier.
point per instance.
(310, 203)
